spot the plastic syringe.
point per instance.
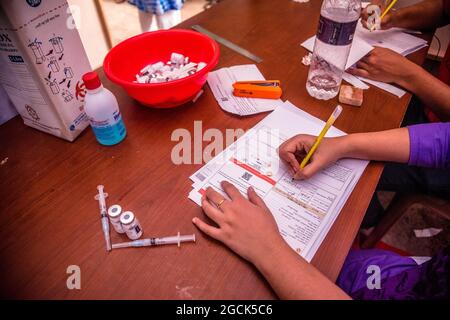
(155, 241)
(104, 217)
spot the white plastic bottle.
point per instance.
(337, 24)
(103, 111)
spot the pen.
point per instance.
(324, 131)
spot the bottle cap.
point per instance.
(91, 80)
(127, 217)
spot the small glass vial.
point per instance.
(131, 225)
(114, 217)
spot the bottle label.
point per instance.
(336, 33)
(107, 132)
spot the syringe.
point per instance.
(155, 241)
(105, 223)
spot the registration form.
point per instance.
(303, 210)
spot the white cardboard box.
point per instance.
(42, 61)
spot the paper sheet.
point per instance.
(364, 41)
(358, 50)
(427, 233)
(304, 210)
(385, 86)
(394, 39)
(221, 84)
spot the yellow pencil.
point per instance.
(388, 8)
(385, 12)
(324, 131)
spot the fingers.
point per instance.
(309, 170)
(211, 231)
(364, 17)
(386, 22)
(215, 197)
(255, 199)
(359, 72)
(363, 64)
(212, 212)
(292, 160)
(297, 144)
(231, 190)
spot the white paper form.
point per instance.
(358, 50)
(304, 210)
(364, 41)
(221, 84)
(395, 39)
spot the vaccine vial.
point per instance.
(131, 225)
(103, 111)
(114, 213)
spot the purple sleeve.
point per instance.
(430, 145)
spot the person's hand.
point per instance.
(388, 20)
(246, 226)
(385, 65)
(295, 149)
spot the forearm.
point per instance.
(390, 145)
(291, 277)
(432, 91)
(428, 14)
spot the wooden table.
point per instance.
(49, 218)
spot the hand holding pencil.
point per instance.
(387, 15)
(307, 154)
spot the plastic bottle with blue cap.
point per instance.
(103, 112)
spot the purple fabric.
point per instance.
(430, 145)
(401, 277)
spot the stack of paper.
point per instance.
(395, 39)
(364, 41)
(304, 210)
(221, 84)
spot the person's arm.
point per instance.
(391, 145)
(428, 14)
(385, 65)
(426, 145)
(291, 277)
(249, 229)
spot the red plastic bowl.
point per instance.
(126, 59)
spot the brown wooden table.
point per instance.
(49, 218)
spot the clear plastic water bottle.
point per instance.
(103, 112)
(337, 24)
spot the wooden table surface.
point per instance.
(50, 220)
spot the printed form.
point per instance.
(303, 210)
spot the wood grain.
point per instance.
(49, 218)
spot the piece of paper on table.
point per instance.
(221, 84)
(354, 81)
(358, 50)
(420, 259)
(385, 86)
(303, 210)
(364, 41)
(395, 39)
(427, 233)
